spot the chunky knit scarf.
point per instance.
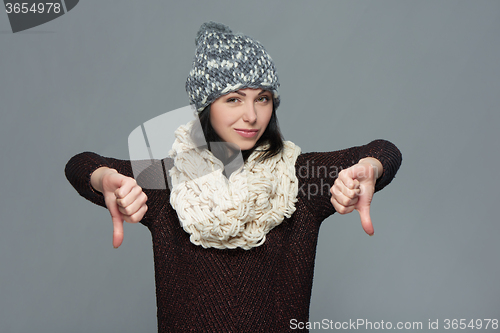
(236, 212)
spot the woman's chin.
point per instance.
(246, 145)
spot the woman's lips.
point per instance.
(247, 133)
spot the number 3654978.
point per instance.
(36, 8)
(472, 324)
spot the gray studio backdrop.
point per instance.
(422, 74)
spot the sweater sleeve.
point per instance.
(317, 172)
(149, 175)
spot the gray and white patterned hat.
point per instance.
(225, 62)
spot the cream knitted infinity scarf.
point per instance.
(238, 212)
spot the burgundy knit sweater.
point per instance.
(257, 290)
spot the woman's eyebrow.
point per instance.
(243, 94)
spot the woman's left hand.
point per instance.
(353, 190)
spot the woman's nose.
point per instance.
(250, 113)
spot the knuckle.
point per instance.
(127, 211)
(340, 200)
(333, 190)
(336, 189)
(137, 217)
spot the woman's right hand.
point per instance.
(124, 199)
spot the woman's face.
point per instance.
(241, 117)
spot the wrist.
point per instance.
(97, 176)
(378, 169)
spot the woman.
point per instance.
(235, 254)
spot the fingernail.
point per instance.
(372, 234)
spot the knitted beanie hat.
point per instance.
(225, 62)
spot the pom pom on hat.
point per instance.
(211, 26)
(225, 62)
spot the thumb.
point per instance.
(366, 221)
(117, 231)
(117, 219)
(367, 187)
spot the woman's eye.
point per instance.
(232, 100)
(263, 99)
